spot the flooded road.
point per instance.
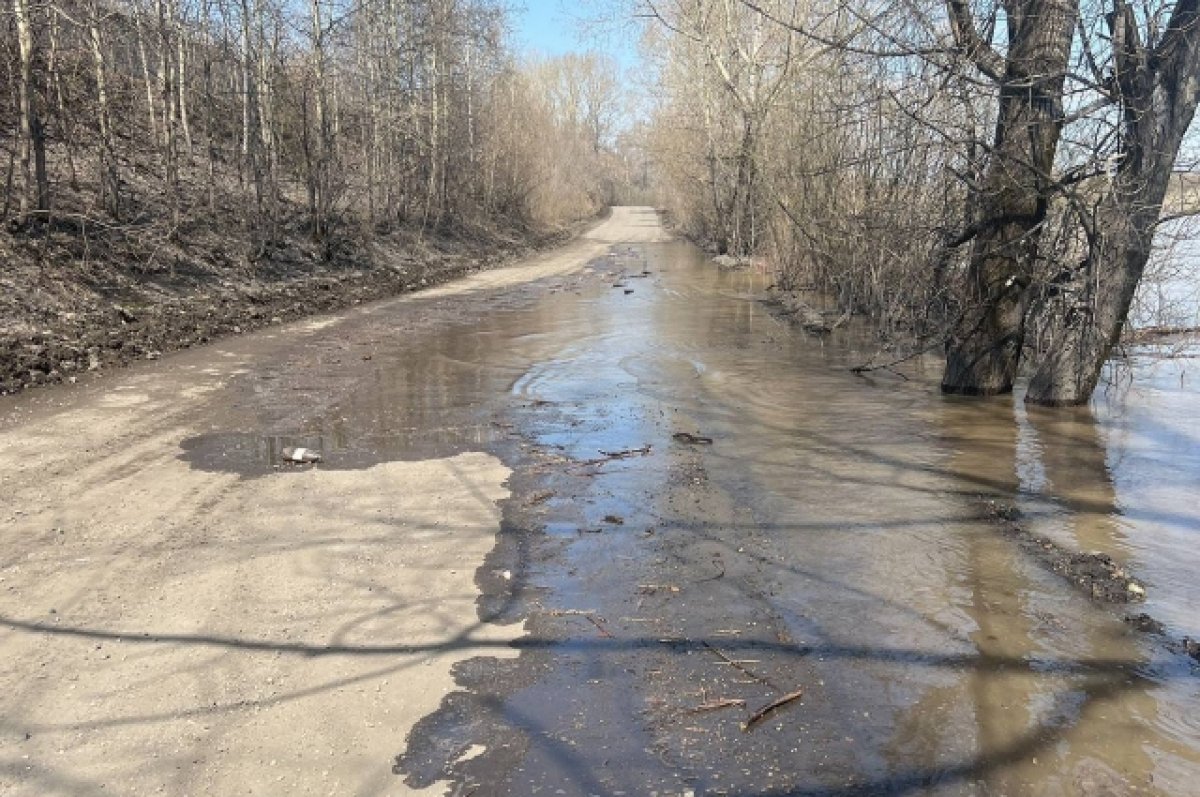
(705, 512)
(830, 540)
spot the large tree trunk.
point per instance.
(181, 102)
(1087, 316)
(984, 350)
(210, 136)
(433, 197)
(1158, 105)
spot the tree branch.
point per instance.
(970, 43)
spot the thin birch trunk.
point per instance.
(110, 183)
(140, 35)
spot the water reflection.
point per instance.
(1051, 733)
(1121, 478)
(1073, 487)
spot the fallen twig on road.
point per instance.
(740, 665)
(717, 704)
(762, 713)
(599, 626)
(590, 615)
(720, 573)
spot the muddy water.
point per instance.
(830, 540)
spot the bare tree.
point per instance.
(35, 183)
(1153, 83)
(984, 350)
(110, 181)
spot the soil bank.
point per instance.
(81, 314)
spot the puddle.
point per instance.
(830, 540)
(251, 455)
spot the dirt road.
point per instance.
(578, 523)
(170, 628)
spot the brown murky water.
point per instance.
(831, 539)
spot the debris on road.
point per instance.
(628, 452)
(762, 713)
(607, 456)
(692, 439)
(1145, 623)
(599, 626)
(716, 704)
(303, 456)
(1096, 574)
(588, 614)
(740, 666)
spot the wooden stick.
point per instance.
(738, 665)
(599, 626)
(718, 703)
(761, 714)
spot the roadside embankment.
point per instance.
(70, 312)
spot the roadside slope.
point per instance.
(96, 311)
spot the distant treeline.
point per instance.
(350, 114)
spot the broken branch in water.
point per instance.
(607, 456)
(1148, 333)
(869, 365)
(762, 713)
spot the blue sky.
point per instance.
(553, 27)
(544, 27)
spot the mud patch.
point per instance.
(1094, 574)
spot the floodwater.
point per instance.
(832, 540)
